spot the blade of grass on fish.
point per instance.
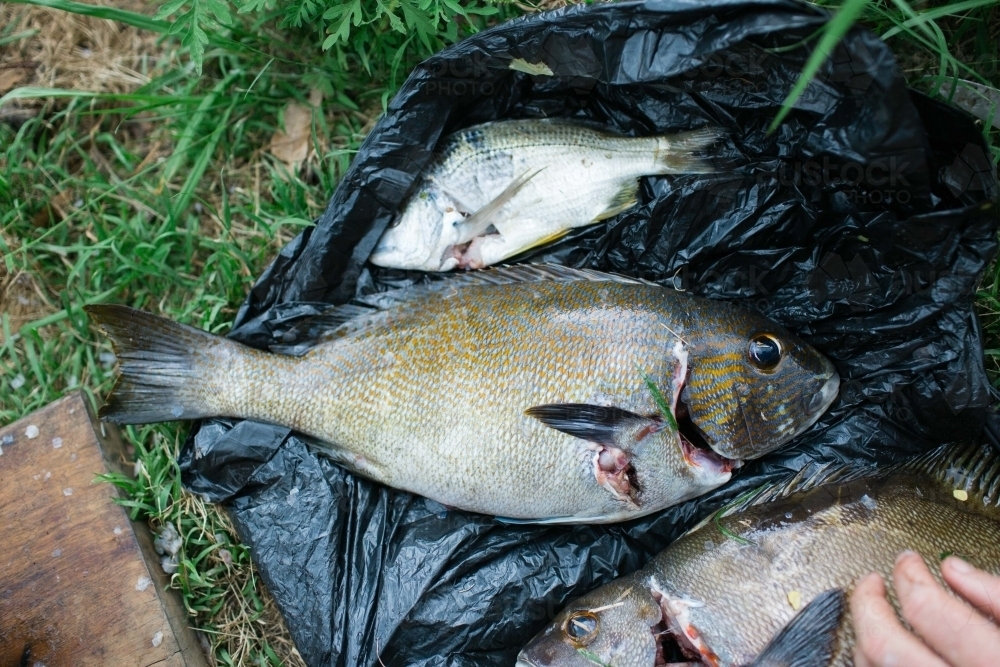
(660, 400)
(833, 32)
(746, 497)
(593, 657)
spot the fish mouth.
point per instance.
(678, 641)
(695, 447)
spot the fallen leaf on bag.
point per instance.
(535, 69)
(795, 599)
(292, 145)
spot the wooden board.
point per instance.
(75, 588)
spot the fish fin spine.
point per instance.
(973, 468)
(685, 152)
(164, 367)
(479, 222)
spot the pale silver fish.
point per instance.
(535, 393)
(500, 188)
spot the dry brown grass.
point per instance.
(74, 52)
(21, 299)
(239, 625)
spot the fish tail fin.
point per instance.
(164, 367)
(687, 152)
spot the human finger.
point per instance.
(953, 629)
(881, 640)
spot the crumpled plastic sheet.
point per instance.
(862, 223)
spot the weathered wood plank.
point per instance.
(74, 586)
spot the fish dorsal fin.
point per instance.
(355, 318)
(807, 479)
(811, 476)
(809, 639)
(504, 275)
(334, 322)
(974, 469)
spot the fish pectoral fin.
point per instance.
(545, 240)
(477, 223)
(623, 200)
(809, 639)
(606, 425)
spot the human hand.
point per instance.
(949, 632)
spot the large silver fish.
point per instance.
(500, 188)
(535, 393)
(719, 595)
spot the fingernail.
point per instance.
(958, 565)
(905, 555)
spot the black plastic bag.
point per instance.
(862, 223)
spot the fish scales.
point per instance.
(499, 188)
(492, 392)
(847, 537)
(547, 353)
(731, 583)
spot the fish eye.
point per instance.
(581, 627)
(764, 352)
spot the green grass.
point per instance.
(164, 198)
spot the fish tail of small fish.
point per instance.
(687, 152)
(167, 371)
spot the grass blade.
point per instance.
(194, 176)
(110, 13)
(660, 400)
(928, 16)
(32, 92)
(833, 32)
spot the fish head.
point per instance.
(421, 235)
(752, 385)
(613, 625)
(639, 621)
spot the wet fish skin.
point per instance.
(566, 174)
(735, 595)
(432, 394)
